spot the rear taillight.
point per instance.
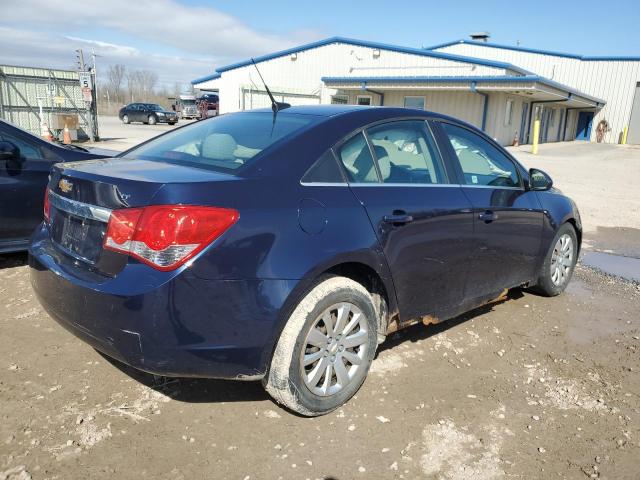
(166, 236)
(47, 206)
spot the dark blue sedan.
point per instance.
(286, 247)
(25, 162)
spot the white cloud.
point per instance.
(21, 47)
(194, 29)
(179, 42)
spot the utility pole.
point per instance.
(94, 94)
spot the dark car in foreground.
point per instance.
(25, 161)
(286, 247)
(148, 113)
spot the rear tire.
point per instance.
(326, 348)
(152, 120)
(559, 263)
(125, 119)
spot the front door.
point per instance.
(507, 217)
(423, 222)
(583, 131)
(22, 185)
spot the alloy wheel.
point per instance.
(561, 260)
(334, 349)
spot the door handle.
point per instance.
(398, 218)
(488, 216)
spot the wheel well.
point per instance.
(369, 279)
(572, 222)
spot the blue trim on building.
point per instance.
(586, 58)
(363, 43)
(462, 79)
(205, 79)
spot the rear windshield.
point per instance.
(224, 143)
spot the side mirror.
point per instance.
(539, 180)
(9, 151)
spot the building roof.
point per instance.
(535, 50)
(363, 43)
(465, 79)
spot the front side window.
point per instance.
(224, 143)
(27, 149)
(482, 164)
(357, 160)
(406, 153)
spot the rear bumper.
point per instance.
(178, 325)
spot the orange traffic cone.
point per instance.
(45, 132)
(66, 136)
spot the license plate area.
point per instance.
(82, 237)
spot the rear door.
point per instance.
(507, 217)
(424, 223)
(22, 185)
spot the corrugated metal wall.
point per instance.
(613, 81)
(303, 74)
(22, 87)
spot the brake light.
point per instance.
(166, 236)
(47, 206)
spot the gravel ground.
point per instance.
(531, 387)
(115, 135)
(599, 177)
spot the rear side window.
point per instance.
(406, 153)
(224, 143)
(482, 163)
(325, 170)
(357, 160)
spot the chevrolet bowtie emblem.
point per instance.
(65, 185)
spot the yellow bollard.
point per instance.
(536, 136)
(624, 135)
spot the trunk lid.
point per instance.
(83, 194)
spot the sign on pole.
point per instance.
(86, 94)
(85, 80)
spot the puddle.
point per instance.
(625, 267)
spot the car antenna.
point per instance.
(275, 106)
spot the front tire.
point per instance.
(326, 348)
(559, 263)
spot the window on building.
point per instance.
(339, 99)
(508, 112)
(414, 102)
(363, 100)
(552, 117)
(482, 164)
(406, 153)
(357, 160)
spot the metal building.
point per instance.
(501, 97)
(615, 79)
(28, 95)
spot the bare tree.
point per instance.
(115, 77)
(148, 81)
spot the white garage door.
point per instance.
(260, 99)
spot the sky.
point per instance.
(185, 39)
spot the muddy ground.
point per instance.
(529, 388)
